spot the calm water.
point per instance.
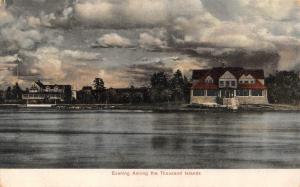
(149, 140)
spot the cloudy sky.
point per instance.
(124, 41)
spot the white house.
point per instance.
(222, 84)
(47, 93)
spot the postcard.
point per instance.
(177, 92)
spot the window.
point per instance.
(242, 92)
(232, 83)
(209, 81)
(246, 82)
(47, 89)
(252, 82)
(198, 93)
(257, 93)
(227, 83)
(221, 83)
(212, 92)
(241, 82)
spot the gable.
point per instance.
(35, 86)
(246, 77)
(227, 75)
(209, 79)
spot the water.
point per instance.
(149, 140)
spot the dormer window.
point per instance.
(246, 79)
(209, 80)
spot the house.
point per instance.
(47, 93)
(225, 85)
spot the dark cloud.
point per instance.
(141, 73)
(268, 60)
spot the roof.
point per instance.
(51, 86)
(206, 86)
(256, 85)
(216, 73)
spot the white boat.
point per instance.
(39, 105)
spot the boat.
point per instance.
(39, 105)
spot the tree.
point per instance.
(98, 84)
(8, 94)
(99, 87)
(160, 87)
(186, 89)
(16, 92)
(177, 86)
(284, 87)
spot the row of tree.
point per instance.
(163, 88)
(284, 87)
(166, 89)
(12, 94)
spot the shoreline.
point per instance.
(154, 108)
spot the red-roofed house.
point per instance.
(246, 86)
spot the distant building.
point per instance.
(226, 85)
(85, 95)
(128, 95)
(47, 93)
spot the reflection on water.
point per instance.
(149, 140)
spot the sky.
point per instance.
(125, 41)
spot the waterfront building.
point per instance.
(48, 93)
(228, 86)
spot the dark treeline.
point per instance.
(11, 94)
(284, 87)
(163, 89)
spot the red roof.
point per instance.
(257, 85)
(206, 86)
